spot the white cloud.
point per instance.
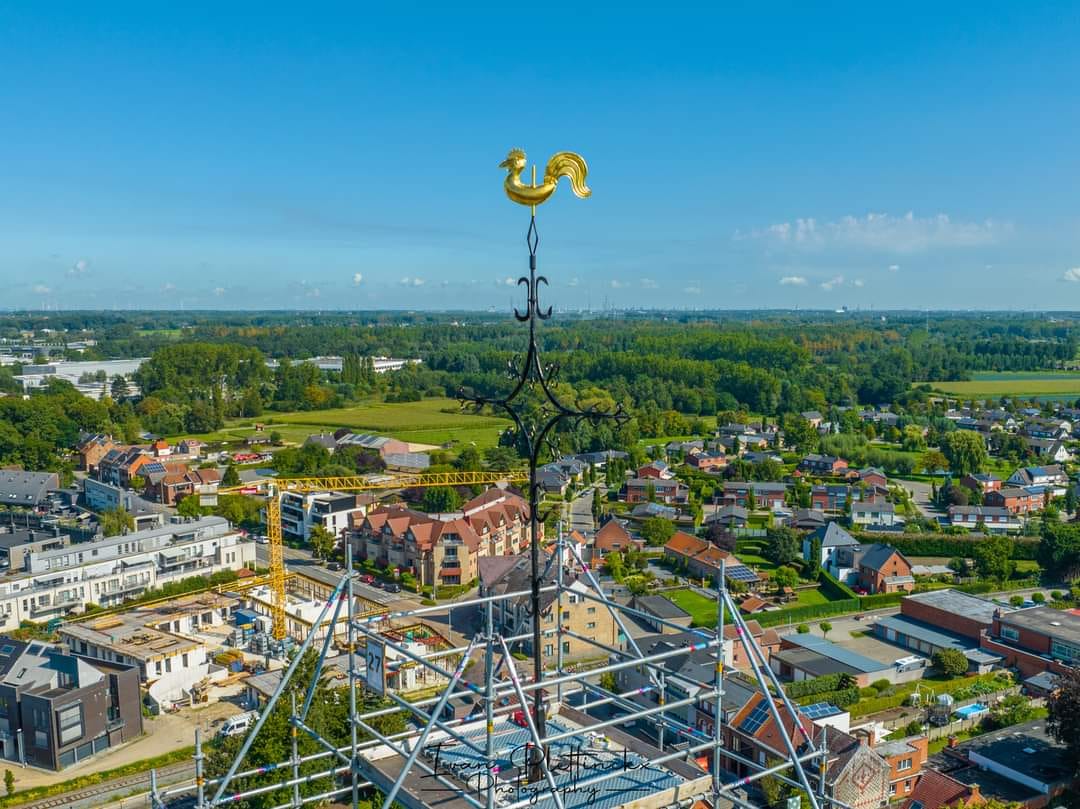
(411, 282)
(1071, 275)
(41, 289)
(573, 282)
(357, 279)
(616, 284)
(168, 287)
(648, 283)
(692, 290)
(508, 281)
(881, 231)
(835, 281)
(219, 291)
(793, 281)
(312, 292)
(894, 268)
(858, 282)
(79, 267)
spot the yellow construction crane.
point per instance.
(273, 488)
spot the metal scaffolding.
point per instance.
(551, 767)
(501, 693)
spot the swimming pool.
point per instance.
(969, 711)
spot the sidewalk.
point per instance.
(161, 735)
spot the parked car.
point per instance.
(393, 587)
(367, 578)
(240, 723)
(334, 566)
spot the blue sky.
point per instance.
(172, 155)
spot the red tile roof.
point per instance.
(936, 790)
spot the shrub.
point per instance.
(803, 629)
(880, 685)
(951, 662)
(1056, 595)
(1038, 598)
(1017, 601)
(913, 728)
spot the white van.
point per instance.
(240, 723)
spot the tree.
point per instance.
(993, 557)
(608, 682)
(825, 628)
(965, 450)
(1059, 549)
(231, 476)
(951, 662)
(782, 546)
(933, 461)
(1063, 719)
(501, 458)
(613, 564)
(1070, 500)
(785, 577)
(1016, 601)
(189, 507)
(440, 500)
(657, 530)
(137, 483)
(322, 542)
(9, 782)
(119, 388)
(116, 521)
(721, 537)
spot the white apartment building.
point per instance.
(300, 512)
(109, 571)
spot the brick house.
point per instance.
(883, 569)
(1016, 500)
(655, 470)
(766, 495)
(981, 482)
(1035, 640)
(707, 461)
(92, 448)
(767, 640)
(171, 485)
(992, 519)
(936, 790)
(823, 465)
(906, 759)
(831, 496)
(683, 548)
(613, 536)
(872, 476)
(638, 490)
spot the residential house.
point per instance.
(704, 560)
(854, 772)
(935, 790)
(729, 517)
(768, 640)
(981, 482)
(59, 709)
(1047, 428)
(831, 496)
(1052, 449)
(1052, 477)
(641, 490)
(170, 487)
(883, 569)
(655, 470)
(807, 519)
(17, 545)
(875, 515)
(26, 489)
(580, 614)
(814, 417)
(92, 448)
(120, 464)
(599, 460)
(1016, 500)
(766, 494)
(988, 519)
(100, 497)
(906, 758)
(707, 461)
(873, 476)
(612, 537)
(643, 511)
(823, 465)
(831, 537)
(501, 518)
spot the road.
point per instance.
(920, 496)
(300, 560)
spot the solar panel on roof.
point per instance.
(756, 718)
(819, 710)
(740, 573)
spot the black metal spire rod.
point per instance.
(534, 437)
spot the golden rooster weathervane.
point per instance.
(562, 164)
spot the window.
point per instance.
(591, 625)
(566, 615)
(168, 665)
(185, 658)
(1064, 651)
(41, 739)
(892, 790)
(591, 611)
(905, 764)
(566, 647)
(1010, 633)
(549, 650)
(71, 724)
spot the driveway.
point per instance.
(920, 496)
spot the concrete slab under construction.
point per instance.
(573, 761)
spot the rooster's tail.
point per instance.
(571, 166)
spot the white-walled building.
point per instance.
(109, 571)
(300, 512)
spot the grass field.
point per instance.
(430, 421)
(702, 610)
(1021, 384)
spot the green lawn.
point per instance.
(702, 610)
(1023, 384)
(811, 597)
(430, 421)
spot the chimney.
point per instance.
(953, 742)
(975, 798)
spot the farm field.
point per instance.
(423, 422)
(1023, 384)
